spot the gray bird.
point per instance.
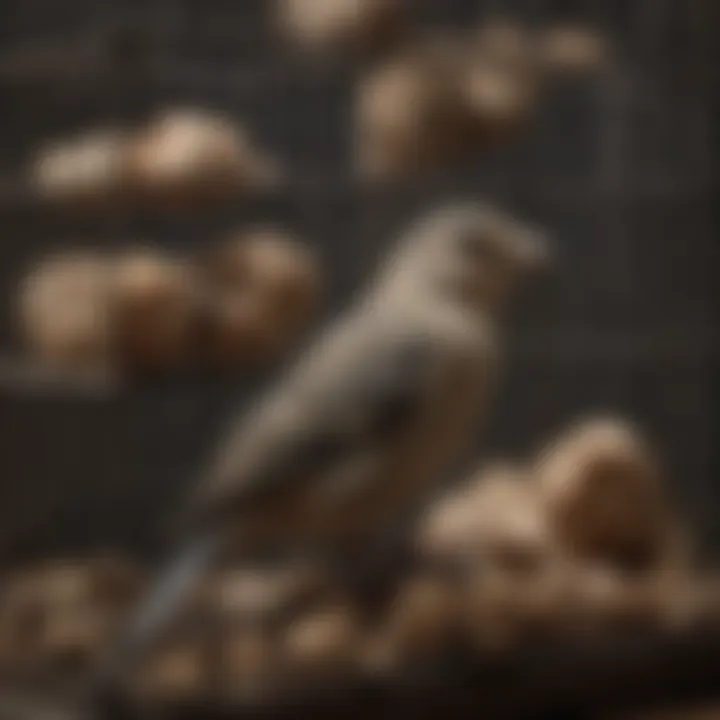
(364, 426)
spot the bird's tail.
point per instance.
(158, 612)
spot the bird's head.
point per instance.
(471, 254)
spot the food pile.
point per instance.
(242, 301)
(575, 545)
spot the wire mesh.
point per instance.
(619, 169)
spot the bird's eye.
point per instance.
(480, 248)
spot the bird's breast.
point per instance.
(444, 430)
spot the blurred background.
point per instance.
(618, 168)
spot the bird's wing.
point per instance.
(369, 398)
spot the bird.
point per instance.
(364, 424)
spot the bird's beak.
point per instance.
(535, 251)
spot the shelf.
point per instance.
(20, 375)
(616, 675)
(634, 672)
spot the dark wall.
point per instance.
(618, 169)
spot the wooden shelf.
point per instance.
(634, 672)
